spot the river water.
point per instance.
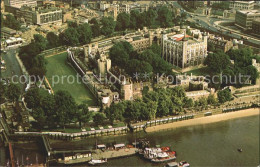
(206, 145)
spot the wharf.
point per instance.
(99, 154)
(109, 154)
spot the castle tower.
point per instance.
(104, 65)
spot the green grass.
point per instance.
(105, 127)
(57, 66)
(120, 124)
(88, 129)
(200, 71)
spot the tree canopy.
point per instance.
(108, 26)
(123, 21)
(224, 95)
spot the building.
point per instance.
(182, 51)
(40, 15)
(241, 5)
(256, 26)
(104, 6)
(7, 32)
(58, 4)
(220, 43)
(2, 7)
(256, 65)
(191, 83)
(245, 18)
(140, 7)
(20, 3)
(13, 42)
(196, 95)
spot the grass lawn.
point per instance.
(57, 67)
(200, 71)
(117, 125)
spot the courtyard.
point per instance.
(60, 75)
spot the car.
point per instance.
(3, 68)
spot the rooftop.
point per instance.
(249, 12)
(8, 30)
(246, 2)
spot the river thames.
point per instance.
(213, 144)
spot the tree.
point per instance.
(150, 17)
(83, 114)
(40, 42)
(65, 107)
(42, 104)
(96, 30)
(85, 33)
(108, 26)
(136, 66)
(13, 92)
(39, 66)
(165, 17)
(95, 27)
(72, 24)
(212, 100)
(252, 72)
(2, 90)
(211, 47)
(152, 107)
(53, 40)
(2, 20)
(99, 118)
(217, 62)
(115, 112)
(11, 22)
(203, 102)
(123, 21)
(33, 97)
(132, 111)
(119, 53)
(156, 49)
(224, 95)
(188, 31)
(69, 37)
(134, 19)
(93, 21)
(189, 103)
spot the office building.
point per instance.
(245, 18)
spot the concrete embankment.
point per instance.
(206, 120)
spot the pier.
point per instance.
(98, 154)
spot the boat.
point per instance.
(172, 164)
(184, 164)
(239, 150)
(164, 157)
(159, 155)
(97, 161)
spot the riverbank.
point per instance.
(206, 120)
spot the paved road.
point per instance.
(13, 70)
(208, 23)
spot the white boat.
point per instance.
(97, 161)
(184, 164)
(158, 155)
